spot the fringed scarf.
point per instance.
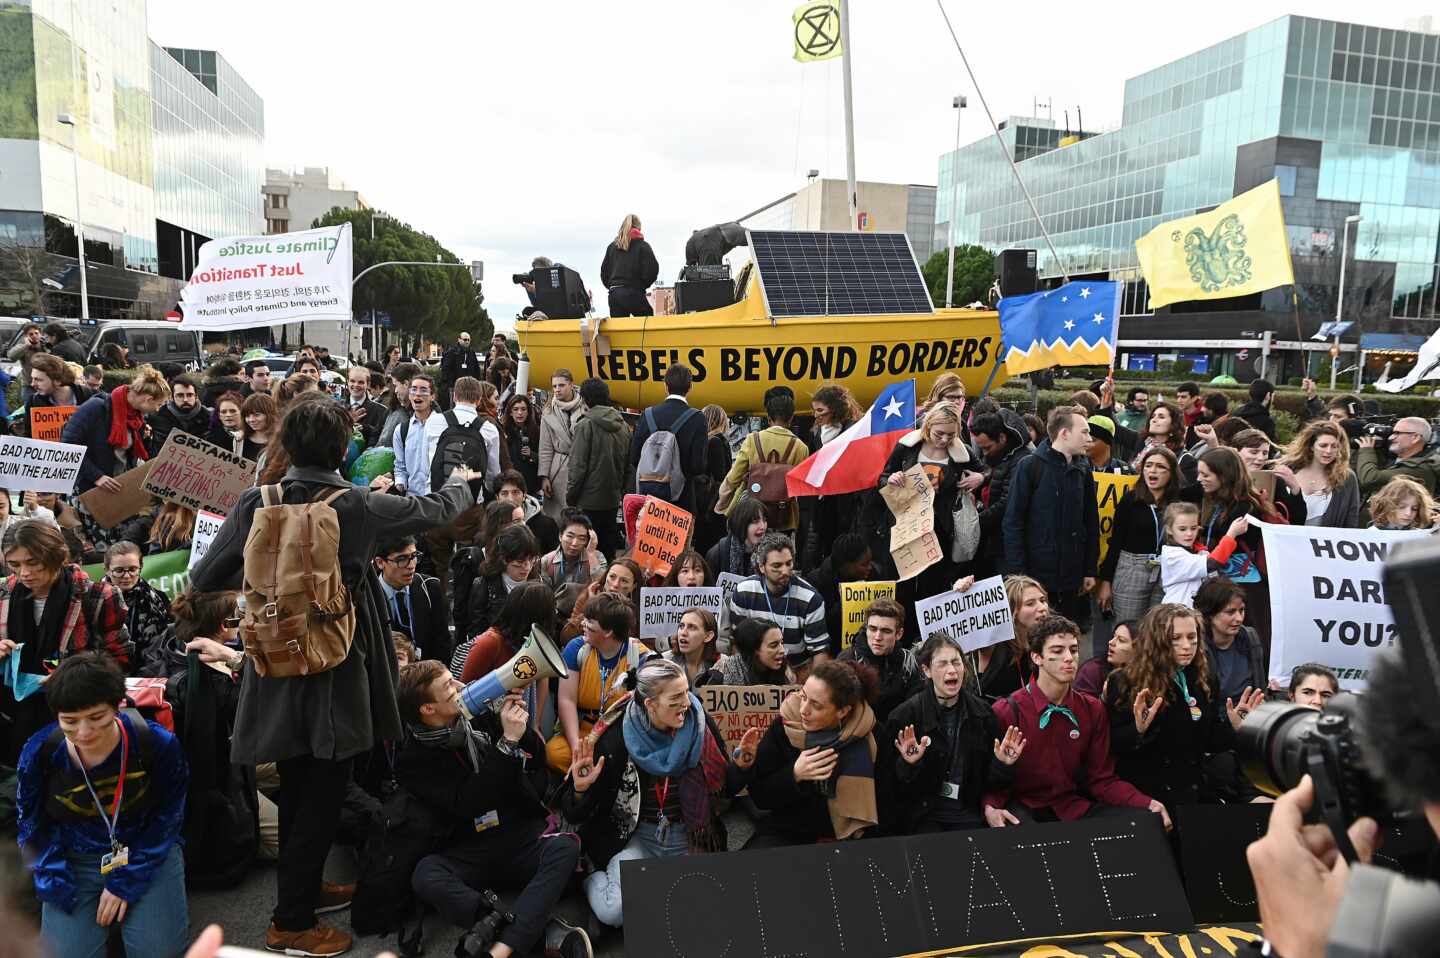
(851, 790)
(692, 755)
(126, 425)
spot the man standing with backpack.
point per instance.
(325, 691)
(597, 465)
(762, 462)
(668, 448)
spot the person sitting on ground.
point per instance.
(679, 764)
(1184, 562)
(568, 569)
(511, 488)
(623, 578)
(878, 645)
(688, 571)
(597, 662)
(815, 767)
(1066, 771)
(693, 647)
(100, 797)
(757, 656)
(1006, 666)
(1402, 503)
(945, 739)
(746, 525)
(1313, 685)
(1093, 674)
(1234, 649)
(173, 528)
(776, 594)
(404, 651)
(147, 610)
(483, 780)
(417, 607)
(530, 607)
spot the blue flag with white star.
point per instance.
(1075, 325)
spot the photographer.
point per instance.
(555, 290)
(1408, 441)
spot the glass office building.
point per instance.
(157, 154)
(1345, 116)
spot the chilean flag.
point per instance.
(853, 460)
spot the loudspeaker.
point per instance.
(703, 294)
(560, 293)
(537, 659)
(1016, 272)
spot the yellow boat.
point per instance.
(738, 351)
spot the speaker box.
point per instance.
(560, 293)
(1016, 272)
(691, 297)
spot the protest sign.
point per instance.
(167, 572)
(917, 895)
(1327, 598)
(244, 282)
(207, 524)
(976, 618)
(854, 597)
(33, 465)
(110, 509)
(47, 422)
(1108, 490)
(199, 474)
(661, 533)
(660, 609)
(913, 544)
(739, 708)
(727, 581)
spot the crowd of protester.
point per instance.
(503, 516)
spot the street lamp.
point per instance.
(1339, 303)
(959, 104)
(374, 329)
(67, 119)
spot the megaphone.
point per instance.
(537, 659)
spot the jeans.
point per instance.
(602, 889)
(157, 925)
(450, 881)
(311, 793)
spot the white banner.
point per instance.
(977, 618)
(726, 581)
(245, 281)
(1327, 598)
(660, 609)
(207, 524)
(35, 465)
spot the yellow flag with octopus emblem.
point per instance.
(1238, 248)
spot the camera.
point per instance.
(518, 278)
(477, 941)
(1380, 427)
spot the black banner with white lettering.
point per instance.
(899, 896)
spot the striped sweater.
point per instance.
(799, 612)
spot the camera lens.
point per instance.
(1273, 740)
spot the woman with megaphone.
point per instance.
(657, 736)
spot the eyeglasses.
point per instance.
(127, 570)
(231, 622)
(408, 558)
(1403, 432)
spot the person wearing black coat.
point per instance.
(958, 738)
(417, 604)
(1003, 441)
(691, 438)
(628, 270)
(878, 644)
(182, 411)
(850, 560)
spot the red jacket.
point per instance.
(1052, 764)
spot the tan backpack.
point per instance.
(299, 619)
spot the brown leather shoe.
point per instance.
(333, 897)
(318, 942)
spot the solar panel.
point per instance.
(838, 274)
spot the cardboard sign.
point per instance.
(913, 544)
(727, 581)
(166, 572)
(661, 533)
(47, 422)
(923, 894)
(738, 708)
(1108, 490)
(199, 474)
(34, 465)
(207, 524)
(1327, 598)
(977, 618)
(660, 609)
(854, 597)
(109, 509)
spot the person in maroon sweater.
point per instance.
(1067, 741)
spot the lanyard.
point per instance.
(661, 795)
(1159, 531)
(1210, 531)
(113, 820)
(1185, 693)
(770, 606)
(605, 675)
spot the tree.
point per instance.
(28, 267)
(423, 303)
(974, 274)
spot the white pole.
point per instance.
(959, 104)
(75, 161)
(849, 115)
(1340, 299)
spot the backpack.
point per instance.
(406, 832)
(147, 697)
(459, 445)
(659, 472)
(299, 619)
(765, 482)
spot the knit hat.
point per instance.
(1103, 428)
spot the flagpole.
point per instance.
(993, 373)
(849, 115)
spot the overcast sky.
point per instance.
(509, 129)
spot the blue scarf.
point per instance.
(659, 753)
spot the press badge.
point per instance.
(118, 858)
(950, 790)
(487, 821)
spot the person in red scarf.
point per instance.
(629, 268)
(111, 427)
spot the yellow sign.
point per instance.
(1108, 490)
(854, 597)
(817, 32)
(1240, 247)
